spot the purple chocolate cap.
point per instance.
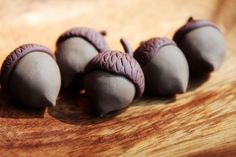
(189, 26)
(15, 56)
(148, 49)
(90, 35)
(119, 63)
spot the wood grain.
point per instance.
(201, 122)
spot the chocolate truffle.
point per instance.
(203, 45)
(113, 79)
(164, 65)
(31, 76)
(74, 49)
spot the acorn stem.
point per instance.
(190, 19)
(103, 33)
(126, 46)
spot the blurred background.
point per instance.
(42, 21)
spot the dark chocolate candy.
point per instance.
(203, 45)
(164, 65)
(108, 92)
(113, 79)
(119, 63)
(14, 57)
(30, 74)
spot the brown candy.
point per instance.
(30, 74)
(75, 48)
(164, 65)
(113, 79)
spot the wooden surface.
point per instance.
(201, 122)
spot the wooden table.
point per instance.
(201, 122)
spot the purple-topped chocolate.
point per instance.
(14, 57)
(191, 25)
(164, 65)
(74, 49)
(119, 63)
(147, 50)
(27, 75)
(113, 79)
(203, 45)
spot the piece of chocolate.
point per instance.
(74, 49)
(113, 79)
(30, 74)
(164, 65)
(203, 45)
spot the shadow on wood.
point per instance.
(12, 109)
(196, 82)
(74, 108)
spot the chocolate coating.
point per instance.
(203, 46)
(108, 92)
(166, 69)
(75, 48)
(34, 80)
(167, 73)
(113, 79)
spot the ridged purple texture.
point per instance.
(95, 38)
(119, 63)
(148, 49)
(15, 56)
(189, 26)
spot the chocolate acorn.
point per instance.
(31, 76)
(203, 45)
(113, 79)
(74, 49)
(164, 65)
